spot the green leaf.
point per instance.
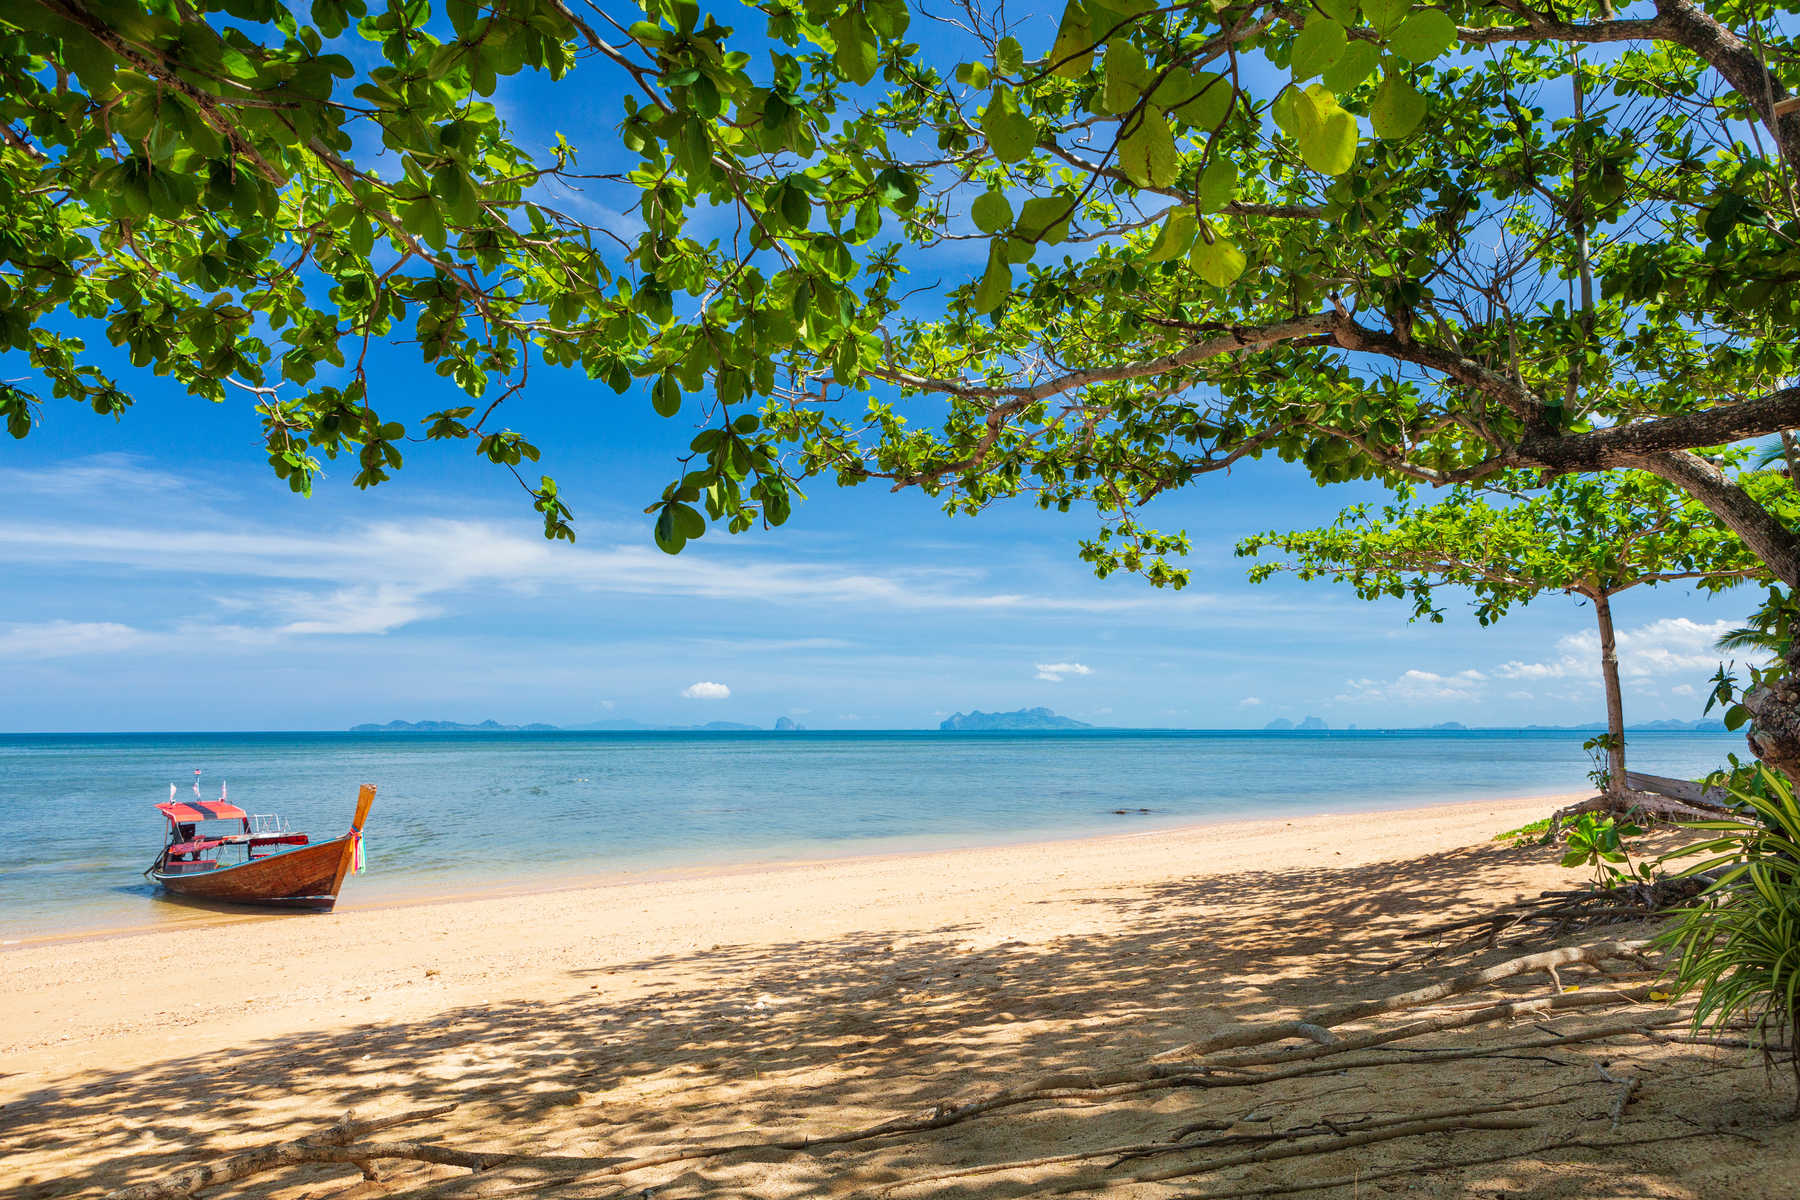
(1319, 45)
(1126, 75)
(991, 211)
(1198, 98)
(1341, 11)
(1385, 14)
(1073, 52)
(996, 283)
(857, 54)
(796, 206)
(1176, 236)
(669, 538)
(1356, 64)
(1218, 184)
(1046, 218)
(689, 522)
(1009, 56)
(665, 396)
(1397, 107)
(1009, 131)
(1324, 133)
(1423, 36)
(1147, 153)
(1218, 261)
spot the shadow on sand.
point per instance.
(824, 1036)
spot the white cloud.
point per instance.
(1671, 646)
(1416, 687)
(705, 690)
(1682, 689)
(1250, 702)
(1055, 672)
(62, 639)
(353, 610)
(413, 567)
(102, 478)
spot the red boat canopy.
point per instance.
(201, 810)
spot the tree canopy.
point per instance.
(1085, 258)
(1592, 536)
(1509, 543)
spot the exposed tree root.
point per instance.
(1179, 1145)
(1649, 804)
(1259, 1062)
(1328, 1144)
(1432, 1164)
(312, 1148)
(1256, 1035)
(1554, 914)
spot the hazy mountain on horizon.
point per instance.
(976, 721)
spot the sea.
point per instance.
(460, 813)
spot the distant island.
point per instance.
(491, 726)
(1667, 725)
(1283, 725)
(1021, 719)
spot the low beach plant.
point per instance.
(1738, 947)
(1532, 833)
(1598, 843)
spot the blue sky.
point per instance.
(155, 576)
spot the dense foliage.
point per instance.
(1386, 241)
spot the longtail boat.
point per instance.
(242, 859)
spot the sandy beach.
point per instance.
(618, 1021)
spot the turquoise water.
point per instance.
(485, 811)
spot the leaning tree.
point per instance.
(1591, 536)
(1387, 241)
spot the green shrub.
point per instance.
(1739, 946)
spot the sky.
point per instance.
(155, 576)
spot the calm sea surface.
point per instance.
(464, 811)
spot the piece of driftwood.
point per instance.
(1688, 791)
(346, 1130)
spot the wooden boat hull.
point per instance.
(308, 877)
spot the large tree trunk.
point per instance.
(1774, 735)
(1615, 702)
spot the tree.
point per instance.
(1590, 536)
(1426, 244)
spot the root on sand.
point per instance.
(1243, 1057)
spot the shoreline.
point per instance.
(425, 892)
(125, 996)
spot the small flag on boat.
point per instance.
(196, 783)
(221, 791)
(356, 860)
(171, 793)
